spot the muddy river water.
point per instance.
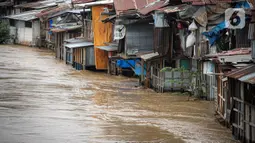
(42, 100)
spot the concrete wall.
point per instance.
(25, 35)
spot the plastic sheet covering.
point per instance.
(201, 16)
(188, 12)
(214, 34)
(102, 34)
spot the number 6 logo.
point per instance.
(235, 18)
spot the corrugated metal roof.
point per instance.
(153, 6)
(146, 57)
(76, 11)
(25, 16)
(237, 51)
(108, 48)
(82, 1)
(176, 8)
(51, 11)
(126, 5)
(243, 74)
(75, 40)
(38, 5)
(250, 78)
(205, 2)
(103, 2)
(79, 45)
(65, 28)
(235, 58)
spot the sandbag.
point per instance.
(191, 39)
(193, 26)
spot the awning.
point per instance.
(79, 45)
(103, 2)
(146, 57)
(108, 48)
(246, 74)
(75, 40)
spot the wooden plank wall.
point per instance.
(102, 34)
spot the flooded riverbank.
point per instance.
(43, 100)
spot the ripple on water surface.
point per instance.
(44, 100)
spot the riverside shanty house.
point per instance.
(241, 91)
(7, 6)
(79, 53)
(134, 37)
(222, 55)
(25, 28)
(102, 32)
(150, 42)
(65, 25)
(46, 19)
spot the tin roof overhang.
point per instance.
(246, 74)
(103, 2)
(108, 48)
(25, 16)
(149, 56)
(82, 1)
(79, 45)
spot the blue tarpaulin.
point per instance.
(131, 64)
(50, 25)
(243, 4)
(214, 34)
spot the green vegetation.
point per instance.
(4, 32)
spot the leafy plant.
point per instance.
(4, 32)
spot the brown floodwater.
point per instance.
(42, 100)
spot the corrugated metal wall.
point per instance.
(253, 49)
(36, 32)
(242, 40)
(90, 58)
(24, 34)
(162, 40)
(139, 38)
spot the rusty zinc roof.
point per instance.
(126, 5)
(246, 74)
(175, 8)
(205, 2)
(153, 6)
(51, 11)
